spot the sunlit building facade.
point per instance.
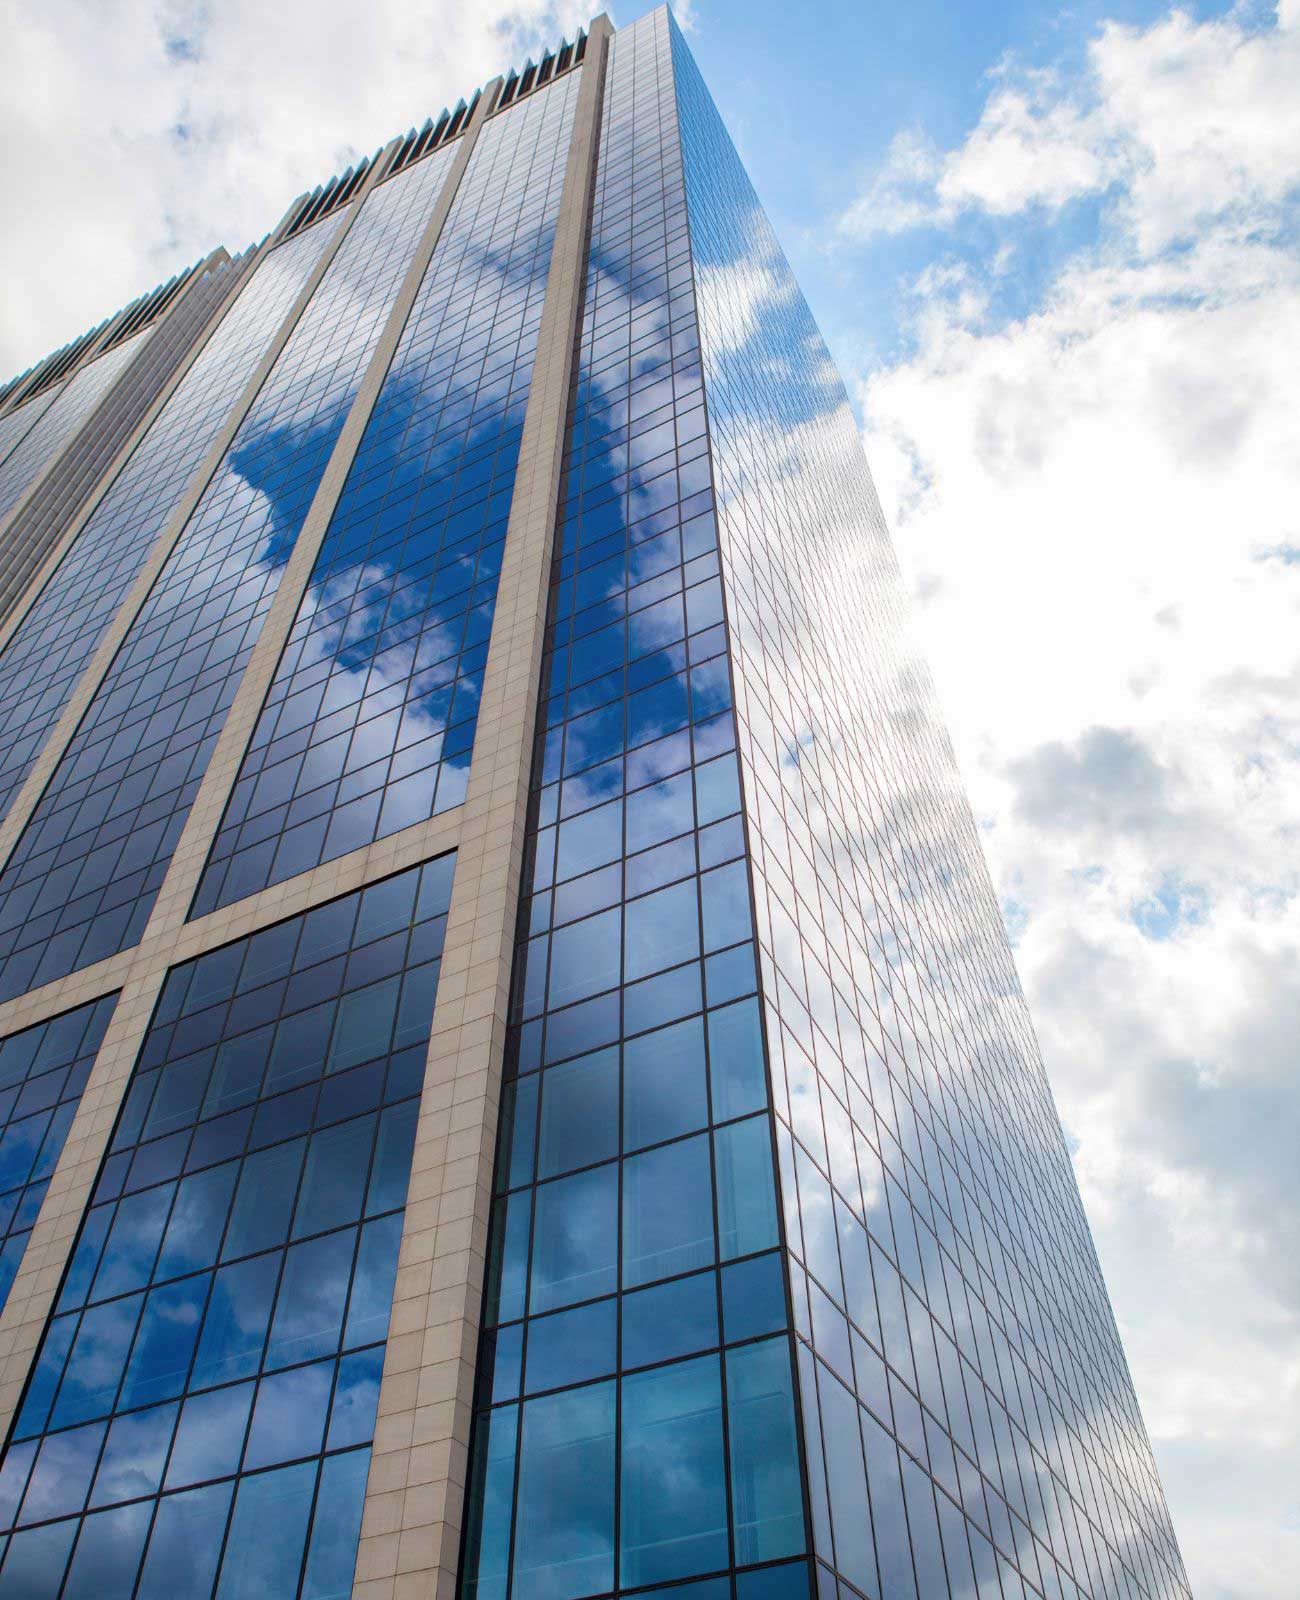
(513, 1083)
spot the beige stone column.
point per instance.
(411, 1528)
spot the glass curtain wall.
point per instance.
(76, 400)
(16, 425)
(635, 1420)
(47, 652)
(82, 879)
(199, 1418)
(968, 1416)
(369, 723)
(43, 1071)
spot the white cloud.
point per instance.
(1192, 121)
(1097, 505)
(153, 130)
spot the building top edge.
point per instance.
(308, 209)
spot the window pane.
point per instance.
(267, 1533)
(850, 1519)
(753, 1297)
(584, 959)
(766, 1502)
(489, 1501)
(35, 1561)
(185, 1544)
(667, 1211)
(736, 1071)
(746, 1194)
(664, 1087)
(235, 1328)
(579, 1114)
(571, 1346)
(672, 1319)
(336, 1527)
(356, 1398)
(662, 930)
(575, 1239)
(313, 1292)
(289, 1417)
(108, 1554)
(672, 1479)
(211, 1435)
(564, 1541)
(134, 1453)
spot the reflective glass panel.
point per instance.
(43, 1071)
(968, 1419)
(59, 634)
(635, 1165)
(369, 723)
(201, 1411)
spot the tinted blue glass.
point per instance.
(753, 1297)
(35, 1561)
(766, 1491)
(16, 425)
(665, 1085)
(627, 1055)
(43, 1071)
(252, 1385)
(670, 1319)
(58, 423)
(564, 1540)
(573, 1346)
(787, 1582)
(667, 1211)
(83, 877)
(673, 1494)
(336, 1527)
(185, 1544)
(369, 723)
(925, 1183)
(107, 1556)
(56, 639)
(575, 1239)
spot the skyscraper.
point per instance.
(514, 1080)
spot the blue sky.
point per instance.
(811, 144)
(1053, 248)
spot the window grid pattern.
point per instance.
(46, 655)
(635, 1418)
(369, 723)
(961, 1370)
(43, 1071)
(200, 1415)
(16, 424)
(84, 875)
(76, 400)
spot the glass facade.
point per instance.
(369, 723)
(41, 663)
(56, 426)
(43, 1071)
(16, 425)
(778, 1285)
(636, 1421)
(960, 1368)
(82, 880)
(199, 1417)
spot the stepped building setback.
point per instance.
(513, 1083)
